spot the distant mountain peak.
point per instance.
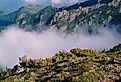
(30, 8)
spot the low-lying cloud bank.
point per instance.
(16, 42)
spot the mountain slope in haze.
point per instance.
(90, 13)
(78, 65)
(1, 12)
(28, 17)
(18, 16)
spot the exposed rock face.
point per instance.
(78, 65)
(101, 13)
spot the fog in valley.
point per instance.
(15, 43)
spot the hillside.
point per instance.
(89, 14)
(98, 14)
(78, 65)
(28, 17)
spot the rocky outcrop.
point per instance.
(98, 14)
(78, 65)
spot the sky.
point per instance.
(11, 5)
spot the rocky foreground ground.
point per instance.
(78, 65)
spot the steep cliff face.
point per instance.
(78, 65)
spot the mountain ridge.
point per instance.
(80, 65)
(29, 17)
